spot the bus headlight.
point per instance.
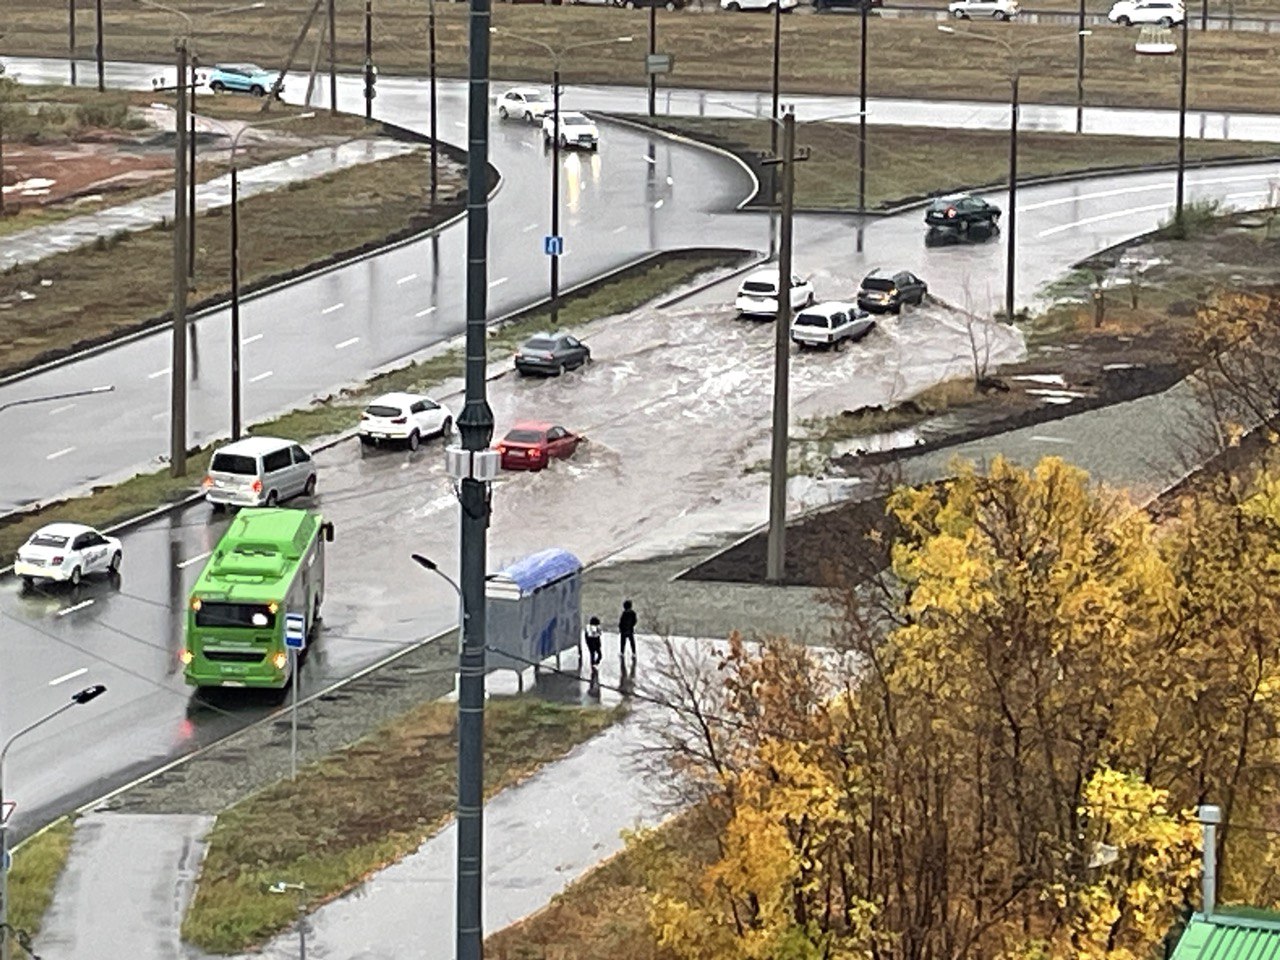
(186, 656)
(278, 660)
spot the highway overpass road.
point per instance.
(129, 637)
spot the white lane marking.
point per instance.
(68, 676)
(659, 204)
(648, 159)
(458, 123)
(248, 340)
(423, 313)
(619, 229)
(72, 609)
(261, 376)
(158, 373)
(182, 565)
(328, 310)
(529, 145)
(346, 343)
(412, 276)
(529, 227)
(1052, 439)
(63, 409)
(1114, 215)
(160, 416)
(499, 282)
(1123, 191)
(59, 453)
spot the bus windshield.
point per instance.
(256, 616)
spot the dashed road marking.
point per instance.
(499, 282)
(412, 276)
(423, 313)
(182, 565)
(74, 607)
(261, 376)
(1052, 439)
(532, 226)
(59, 453)
(160, 416)
(63, 409)
(333, 309)
(248, 340)
(346, 343)
(69, 676)
(158, 373)
(659, 204)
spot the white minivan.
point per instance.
(259, 472)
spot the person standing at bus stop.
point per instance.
(593, 641)
(627, 630)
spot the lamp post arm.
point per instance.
(28, 728)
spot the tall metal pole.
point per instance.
(775, 562)
(1080, 71)
(1179, 225)
(431, 46)
(333, 59)
(368, 59)
(191, 181)
(235, 300)
(475, 428)
(1204, 15)
(653, 48)
(862, 124)
(178, 365)
(71, 38)
(1, 158)
(293, 716)
(555, 192)
(777, 50)
(1011, 223)
(98, 46)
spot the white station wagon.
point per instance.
(830, 324)
(67, 552)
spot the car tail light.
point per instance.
(256, 486)
(400, 420)
(56, 561)
(207, 482)
(951, 211)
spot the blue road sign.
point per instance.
(553, 246)
(295, 631)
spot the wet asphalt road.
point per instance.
(640, 193)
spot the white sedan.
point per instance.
(735, 5)
(983, 9)
(576, 130)
(406, 418)
(758, 295)
(525, 103)
(67, 552)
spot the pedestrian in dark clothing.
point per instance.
(593, 640)
(627, 629)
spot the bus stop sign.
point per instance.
(295, 631)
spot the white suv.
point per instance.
(735, 5)
(990, 9)
(1163, 12)
(407, 418)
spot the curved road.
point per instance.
(129, 638)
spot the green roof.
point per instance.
(256, 558)
(1243, 934)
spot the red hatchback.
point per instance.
(531, 444)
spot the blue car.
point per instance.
(241, 78)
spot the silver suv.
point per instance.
(259, 472)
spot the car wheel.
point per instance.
(564, 144)
(502, 113)
(217, 86)
(366, 441)
(528, 116)
(76, 576)
(114, 567)
(446, 428)
(258, 91)
(669, 6)
(218, 507)
(897, 308)
(1165, 21)
(959, 14)
(560, 369)
(272, 499)
(28, 583)
(629, 4)
(734, 6)
(310, 489)
(414, 440)
(1124, 21)
(1001, 15)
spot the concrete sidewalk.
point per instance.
(28, 246)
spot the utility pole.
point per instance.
(555, 192)
(775, 563)
(368, 60)
(431, 61)
(1179, 225)
(191, 178)
(475, 429)
(777, 56)
(178, 367)
(653, 49)
(71, 38)
(333, 59)
(1080, 35)
(97, 46)
(1012, 223)
(862, 124)
(235, 300)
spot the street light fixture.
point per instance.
(1014, 52)
(557, 55)
(55, 396)
(280, 886)
(80, 698)
(236, 418)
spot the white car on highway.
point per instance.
(830, 324)
(524, 103)
(1163, 12)
(784, 5)
(576, 130)
(983, 9)
(67, 552)
(758, 295)
(407, 418)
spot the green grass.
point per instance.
(360, 810)
(110, 504)
(37, 864)
(908, 163)
(907, 57)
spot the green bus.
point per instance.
(268, 563)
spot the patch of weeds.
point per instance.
(37, 864)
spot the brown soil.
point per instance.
(67, 171)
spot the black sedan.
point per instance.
(551, 354)
(962, 215)
(885, 291)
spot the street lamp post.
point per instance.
(557, 56)
(1014, 52)
(236, 418)
(777, 57)
(1080, 35)
(77, 699)
(431, 62)
(280, 886)
(47, 398)
(862, 122)
(368, 60)
(653, 49)
(98, 53)
(1179, 190)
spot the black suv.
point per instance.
(962, 214)
(884, 291)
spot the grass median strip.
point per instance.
(37, 864)
(360, 810)
(908, 163)
(111, 504)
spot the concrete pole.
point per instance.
(1180, 189)
(653, 48)
(98, 54)
(1210, 817)
(431, 47)
(777, 57)
(555, 192)
(775, 564)
(862, 125)
(235, 299)
(333, 59)
(1011, 223)
(368, 60)
(71, 38)
(1080, 71)
(178, 366)
(191, 177)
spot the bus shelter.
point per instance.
(534, 611)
